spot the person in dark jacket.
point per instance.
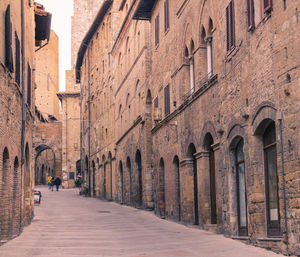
(57, 183)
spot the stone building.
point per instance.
(47, 78)
(206, 127)
(19, 31)
(47, 131)
(84, 13)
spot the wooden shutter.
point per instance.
(28, 85)
(267, 5)
(156, 102)
(8, 41)
(167, 100)
(230, 26)
(251, 23)
(167, 19)
(157, 30)
(18, 60)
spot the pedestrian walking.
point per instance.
(57, 183)
(49, 182)
(52, 184)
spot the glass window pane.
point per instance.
(273, 185)
(242, 196)
(270, 135)
(239, 151)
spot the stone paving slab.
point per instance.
(68, 225)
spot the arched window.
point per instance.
(241, 188)
(271, 181)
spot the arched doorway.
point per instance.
(177, 186)
(104, 176)
(121, 181)
(208, 143)
(16, 199)
(191, 155)
(129, 176)
(94, 178)
(110, 175)
(139, 191)
(5, 197)
(161, 189)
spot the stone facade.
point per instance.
(84, 14)
(205, 126)
(16, 161)
(47, 78)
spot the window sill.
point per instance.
(270, 239)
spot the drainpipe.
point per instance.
(23, 106)
(283, 182)
(89, 135)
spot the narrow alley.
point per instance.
(67, 224)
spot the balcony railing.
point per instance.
(203, 84)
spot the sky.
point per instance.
(61, 10)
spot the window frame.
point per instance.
(230, 27)
(273, 227)
(242, 231)
(156, 24)
(167, 15)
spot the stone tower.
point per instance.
(84, 14)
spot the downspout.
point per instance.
(283, 186)
(23, 107)
(89, 135)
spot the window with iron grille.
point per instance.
(230, 26)
(167, 16)
(8, 41)
(167, 100)
(28, 85)
(18, 64)
(250, 11)
(157, 30)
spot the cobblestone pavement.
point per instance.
(68, 225)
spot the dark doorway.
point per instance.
(271, 181)
(191, 152)
(208, 143)
(177, 186)
(128, 165)
(94, 178)
(121, 181)
(241, 188)
(138, 161)
(161, 189)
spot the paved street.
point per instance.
(69, 225)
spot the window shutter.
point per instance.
(157, 30)
(156, 102)
(18, 60)
(230, 26)
(8, 41)
(28, 85)
(251, 23)
(167, 100)
(166, 11)
(227, 28)
(267, 5)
